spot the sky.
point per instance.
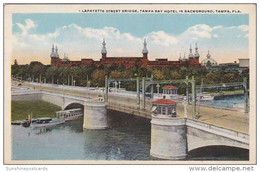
(225, 36)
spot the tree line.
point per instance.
(95, 77)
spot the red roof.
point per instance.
(164, 101)
(170, 87)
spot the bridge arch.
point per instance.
(219, 152)
(207, 143)
(74, 105)
(68, 104)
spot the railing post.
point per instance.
(194, 115)
(106, 85)
(245, 95)
(138, 92)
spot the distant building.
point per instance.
(128, 62)
(170, 89)
(230, 67)
(209, 62)
(243, 63)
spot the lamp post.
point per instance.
(116, 85)
(119, 83)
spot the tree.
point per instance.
(51, 73)
(176, 75)
(15, 62)
(98, 78)
(158, 74)
(115, 74)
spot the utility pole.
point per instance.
(138, 92)
(245, 96)
(106, 85)
(194, 115)
(158, 87)
(143, 91)
(201, 85)
(187, 88)
(152, 86)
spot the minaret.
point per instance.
(190, 55)
(53, 55)
(196, 54)
(208, 55)
(180, 59)
(145, 51)
(104, 51)
(57, 55)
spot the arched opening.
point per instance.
(74, 106)
(218, 153)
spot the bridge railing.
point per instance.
(218, 130)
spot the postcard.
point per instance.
(130, 84)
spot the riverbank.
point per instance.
(21, 109)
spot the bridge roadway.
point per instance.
(126, 102)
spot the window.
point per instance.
(164, 110)
(159, 110)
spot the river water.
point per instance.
(226, 102)
(127, 139)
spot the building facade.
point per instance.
(128, 62)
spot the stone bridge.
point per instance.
(94, 110)
(171, 138)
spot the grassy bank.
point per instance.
(21, 109)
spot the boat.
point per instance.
(205, 97)
(70, 114)
(25, 123)
(47, 122)
(16, 122)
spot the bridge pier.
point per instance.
(95, 115)
(168, 138)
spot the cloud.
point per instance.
(215, 35)
(29, 24)
(86, 42)
(161, 38)
(202, 30)
(244, 28)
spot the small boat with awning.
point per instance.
(47, 122)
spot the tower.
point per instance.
(53, 55)
(145, 51)
(180, 59)
(208, 55)
(104, 51)
(196, 54)
(56, 52)
(190, 55)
